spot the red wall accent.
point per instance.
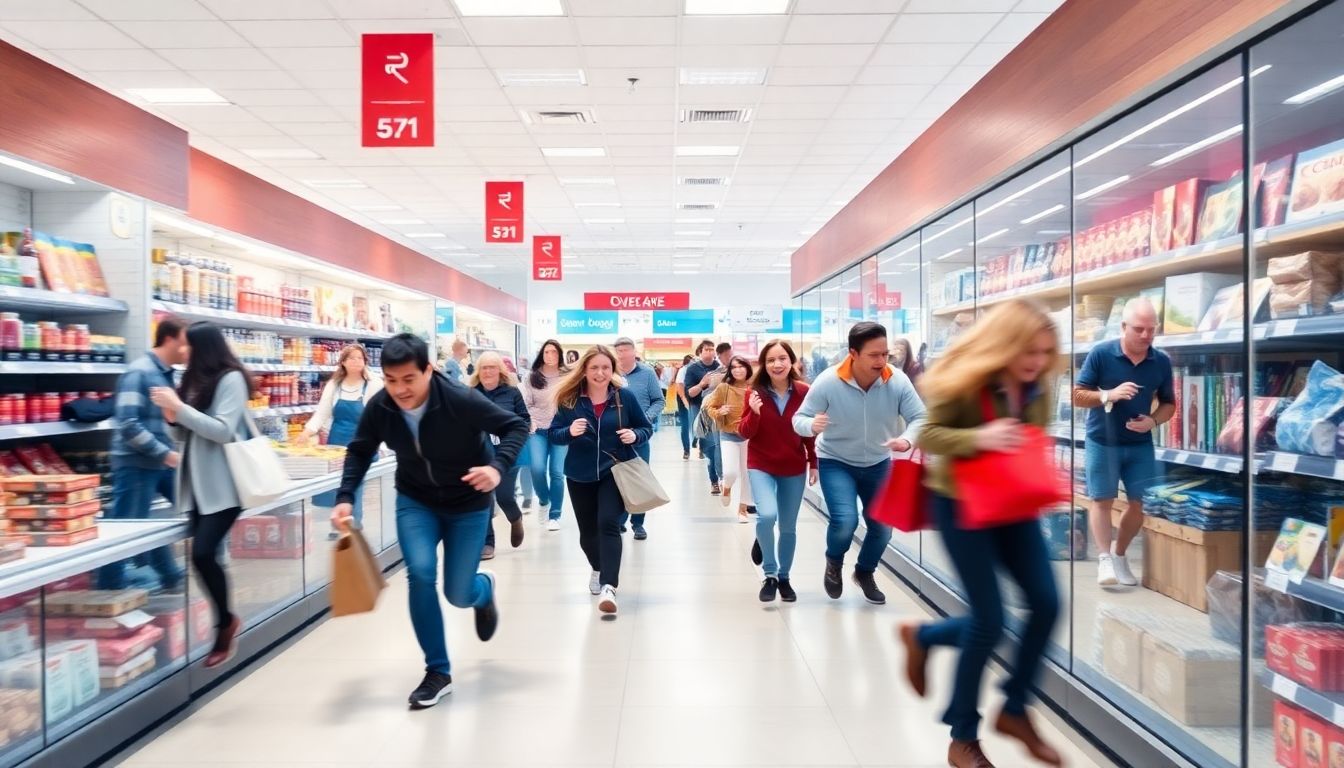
(52, 117)
(1088, 59)
(232, 199)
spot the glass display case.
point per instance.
(1230, 226)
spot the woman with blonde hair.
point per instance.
(726, 404)
(1005, 365)
(343, 400)
(492, 379)
(601, 421)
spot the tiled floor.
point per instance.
(694, 672)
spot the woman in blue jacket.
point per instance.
(492, 379)
(601, 422)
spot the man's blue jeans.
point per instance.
(548, 471)
(843, 486)
(419, 531)
(709, 445)
(133, 492)
(684, 423)
(778, 499)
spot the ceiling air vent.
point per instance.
(559, 117)
(704, 181)
(699, 206)
(716, 115)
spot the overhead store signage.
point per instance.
(756, 318)
(678, 344)
(397, 102)
(878, 298)
(807, 321)
(692, 321)
(625, 301)
(579, 321)
(503, 211)
(547, 263)
(445, 319)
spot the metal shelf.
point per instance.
(36, 300)
(35, 368)
(286, 410)
(1327, 706)
(1301, 464)
(1285, 332)
(1216, 462)
(284, 368)
(51, 429)
(264, 323)
(1312, 590)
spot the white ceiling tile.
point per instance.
(251, 132)
(210, 115)
(814, 94)
(988, 54)
(700, 95)
(876, 94)
(150, 79)
(769, 123)
(45, 10)
(881, 111)
(122, 10)
(515, 31)
(448, 32)
(166, 34)
(457, 58)
(392, 9)
(733, 30)
(70, 34)
(960, 6)
(463, 128)
(727, 56)
(823, 55)
(921, 54)
(966, 76)
(287, 114)
(267, 9)
(813, 75)
(467, 78)
(581, 8)
(310, 33)
(777, 112)
(540, 57)
(635, 56)
(942, 27)
(217, 59)
(649, 77)
(1015, 27)
(1039, 6)
(845, 6)
(114, 60)
(339, 58)
(615, 30)
(465, 97)
(927, 75)
(272, 98)
(826, 29)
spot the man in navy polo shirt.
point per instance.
(1119, 381)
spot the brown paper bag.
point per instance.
(356, 579)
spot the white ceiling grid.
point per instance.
(842, 87)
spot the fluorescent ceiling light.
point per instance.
(1216, 138)
(991, 236)
(1317, 91)
(541, 78)
(709, 151)
(736, 7)
(603, 181)
(335, 183)
(1172, 115)
(597, 205)
(783, 264)
(695, 221)
(282, 154)
(176, 223)
(604, 221)
(35, 170)
(1018, 194)
(693, 233)
(574, 151)
(949, 230)
(950, 254)
(685, 271)
(697, 76)
(375, 208)
(1097, 190)
(509, 7)
(425, 235)
(448, 248)
(691, 245)
(179, 96)
(688, 255)
(1053, 232)
(1038, 216)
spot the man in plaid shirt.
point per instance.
(144, 458)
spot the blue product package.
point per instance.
(1065, 534)
(1311, 423)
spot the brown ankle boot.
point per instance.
(967, 754)
(916, 658)
(1020, 727)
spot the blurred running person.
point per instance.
(500, 387)
(640, 380)
(547, 456)
(702, 375)
(726, 404)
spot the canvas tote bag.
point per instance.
(258, 475)
(640, 489)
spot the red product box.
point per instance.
(1278, 651)
(1318, 656)
(173, 645)
(249, 536)
(1334, 746)
(54, 512)
(1113, 240)
(116, 627)
(115, 652)
(1164, 220)
(1189, 197)
(202, 625)
(1286, 740)
(1312, 734)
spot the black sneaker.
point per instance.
(433, 688)
(768, 589)
(868, 583)
(786, 592)
(640, 533)
(834, 584)
(527, 503)
(487, 616)
(751, 509)
(715, 489)
(757, 556)
(685, 455)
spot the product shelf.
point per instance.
(1327, 706)
(1312, 590)
(36, 368)
(262, 323)
(52, 429)
(1287, 331)
(1302, 464)
(284, 410)
(285, 368)
(38, 300)
(1216, 462)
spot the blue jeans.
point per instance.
(684, 422)
(548, 471)
(133, 491)
(709, 445)
(778, 499)
(978, 555)
(1109, 465)
(525, 478)
(644, 453)
(419, 530)
(843, 486)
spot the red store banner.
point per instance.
(678, 344)
(547, 263)
(397, 100)
(636, 301)
(503, 211)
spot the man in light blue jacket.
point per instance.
(643, 382)
(856, 410)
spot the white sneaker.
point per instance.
(1123, 575)
(553, 525)
(743, 518)
(607, 604)
(1106, 571)
(595, 583)
(544, 510)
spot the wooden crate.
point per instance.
(1178, 560)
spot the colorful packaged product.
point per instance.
(1188, 194)
(1221, 216)
(1318, 183)
(124, 625)
(1164, 219)
(117, 651)
(1285, 734)
(119, 675)
(81, 658)
(1296, 548)
(1311, 738)
(1272, 195)
(1188, 298)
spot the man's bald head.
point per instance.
(1139, 326)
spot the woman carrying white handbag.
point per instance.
(209, 411)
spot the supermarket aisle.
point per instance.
(695, 672)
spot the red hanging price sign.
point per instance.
(547, 263)
(503, 211)
(397, 102)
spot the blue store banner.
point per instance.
(445, 320)
(799, 321)
(683, 322)
(582, 321)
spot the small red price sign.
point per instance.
(397, 102)
(547, 262)
(503, 211)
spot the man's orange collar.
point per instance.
(846, 370)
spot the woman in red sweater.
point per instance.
(779, 462)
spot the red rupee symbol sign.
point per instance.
(504, 212)
(547, 262)
(397, 103)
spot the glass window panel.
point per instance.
(20, 679)
(895, 300)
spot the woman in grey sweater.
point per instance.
(208, 410)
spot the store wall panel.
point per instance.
(55, 118)
(232, 199)
(1088, 60)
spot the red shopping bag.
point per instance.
(1000, 488)
(903, 501)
